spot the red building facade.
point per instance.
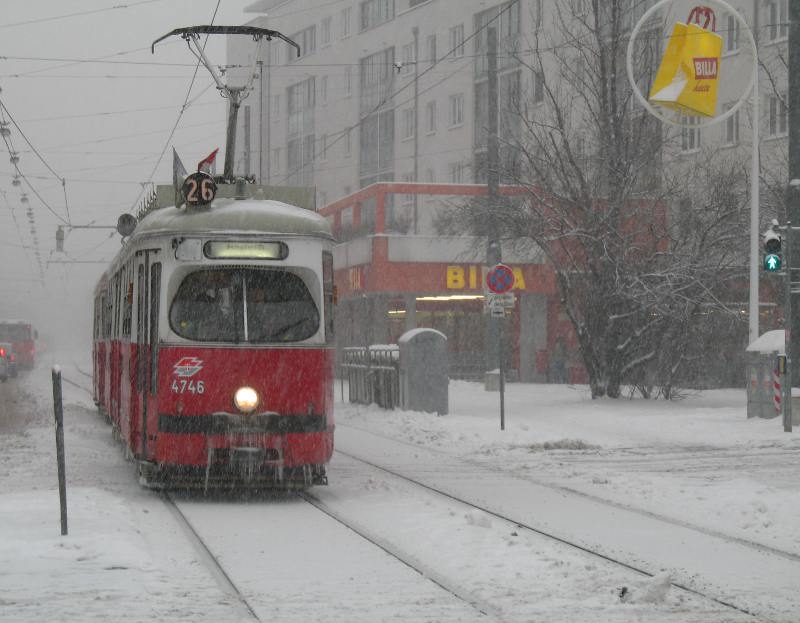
(395, 273)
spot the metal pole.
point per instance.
(754, 216)
(260, 121)
(793, 210)
(787, 331)
(269, 115)
(502, 377)
(62, 478)
(230, 141)
(493, 250)
(415, 32)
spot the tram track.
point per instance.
(446, 584)
(549, 535)
(211, 561)
(246, 597)
(761, 547)
(449, 475)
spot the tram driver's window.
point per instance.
(279, 307)
(207, 307)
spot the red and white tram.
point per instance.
(213, 345)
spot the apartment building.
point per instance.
(395, 91)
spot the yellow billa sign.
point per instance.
(688, 76)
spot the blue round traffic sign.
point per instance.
(500, 279)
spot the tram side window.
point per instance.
(127, 299)
(106, 315)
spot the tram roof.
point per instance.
(236, 216)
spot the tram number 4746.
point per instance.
(183, 386)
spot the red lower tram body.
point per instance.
(179, 421)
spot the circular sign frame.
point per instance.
(199, 189)
(500, 279)
(652, 109)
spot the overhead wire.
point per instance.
(78, 14)
(4, 109)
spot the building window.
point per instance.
(431, 49)
(778, 26)
(778, 117)
(346, 16)
(536, 12)
(731, 127)
(348, 81)
(276, 107)
(408, 58)
(300, 102)
(579, 8)
(325, 31)
(323, 90)
(307, 40)
(323, 147)
(376, 79)
(690, 137)
(457, 40)
(408, 123)
(456, 109)
(374, 12)
(408, 199)
(376, 137)
(457, 172)
(276, 160)
(505, 19)
(538, 87)
(730, 34)
(430, 117)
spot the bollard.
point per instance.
(62, 479)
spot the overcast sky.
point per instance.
(100, 126)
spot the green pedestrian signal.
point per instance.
(772, 262)
(772, 251)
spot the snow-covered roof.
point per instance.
(237, 216)
(769, 342)
(410, 335)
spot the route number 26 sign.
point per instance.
(199, 189)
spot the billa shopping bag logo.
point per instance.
(188, 366)
(688, 76)
(705, 68)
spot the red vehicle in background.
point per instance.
(21, 335)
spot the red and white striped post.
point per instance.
(776, 382)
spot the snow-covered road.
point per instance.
(126, 555)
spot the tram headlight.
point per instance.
(246, 399)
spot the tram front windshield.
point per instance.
(244, 305)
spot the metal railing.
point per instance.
(372, 375)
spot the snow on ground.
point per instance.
(699, 460)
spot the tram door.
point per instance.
(148, 286)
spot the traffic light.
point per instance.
(772, 251)
(60, 239)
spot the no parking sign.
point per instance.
(500, 279)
